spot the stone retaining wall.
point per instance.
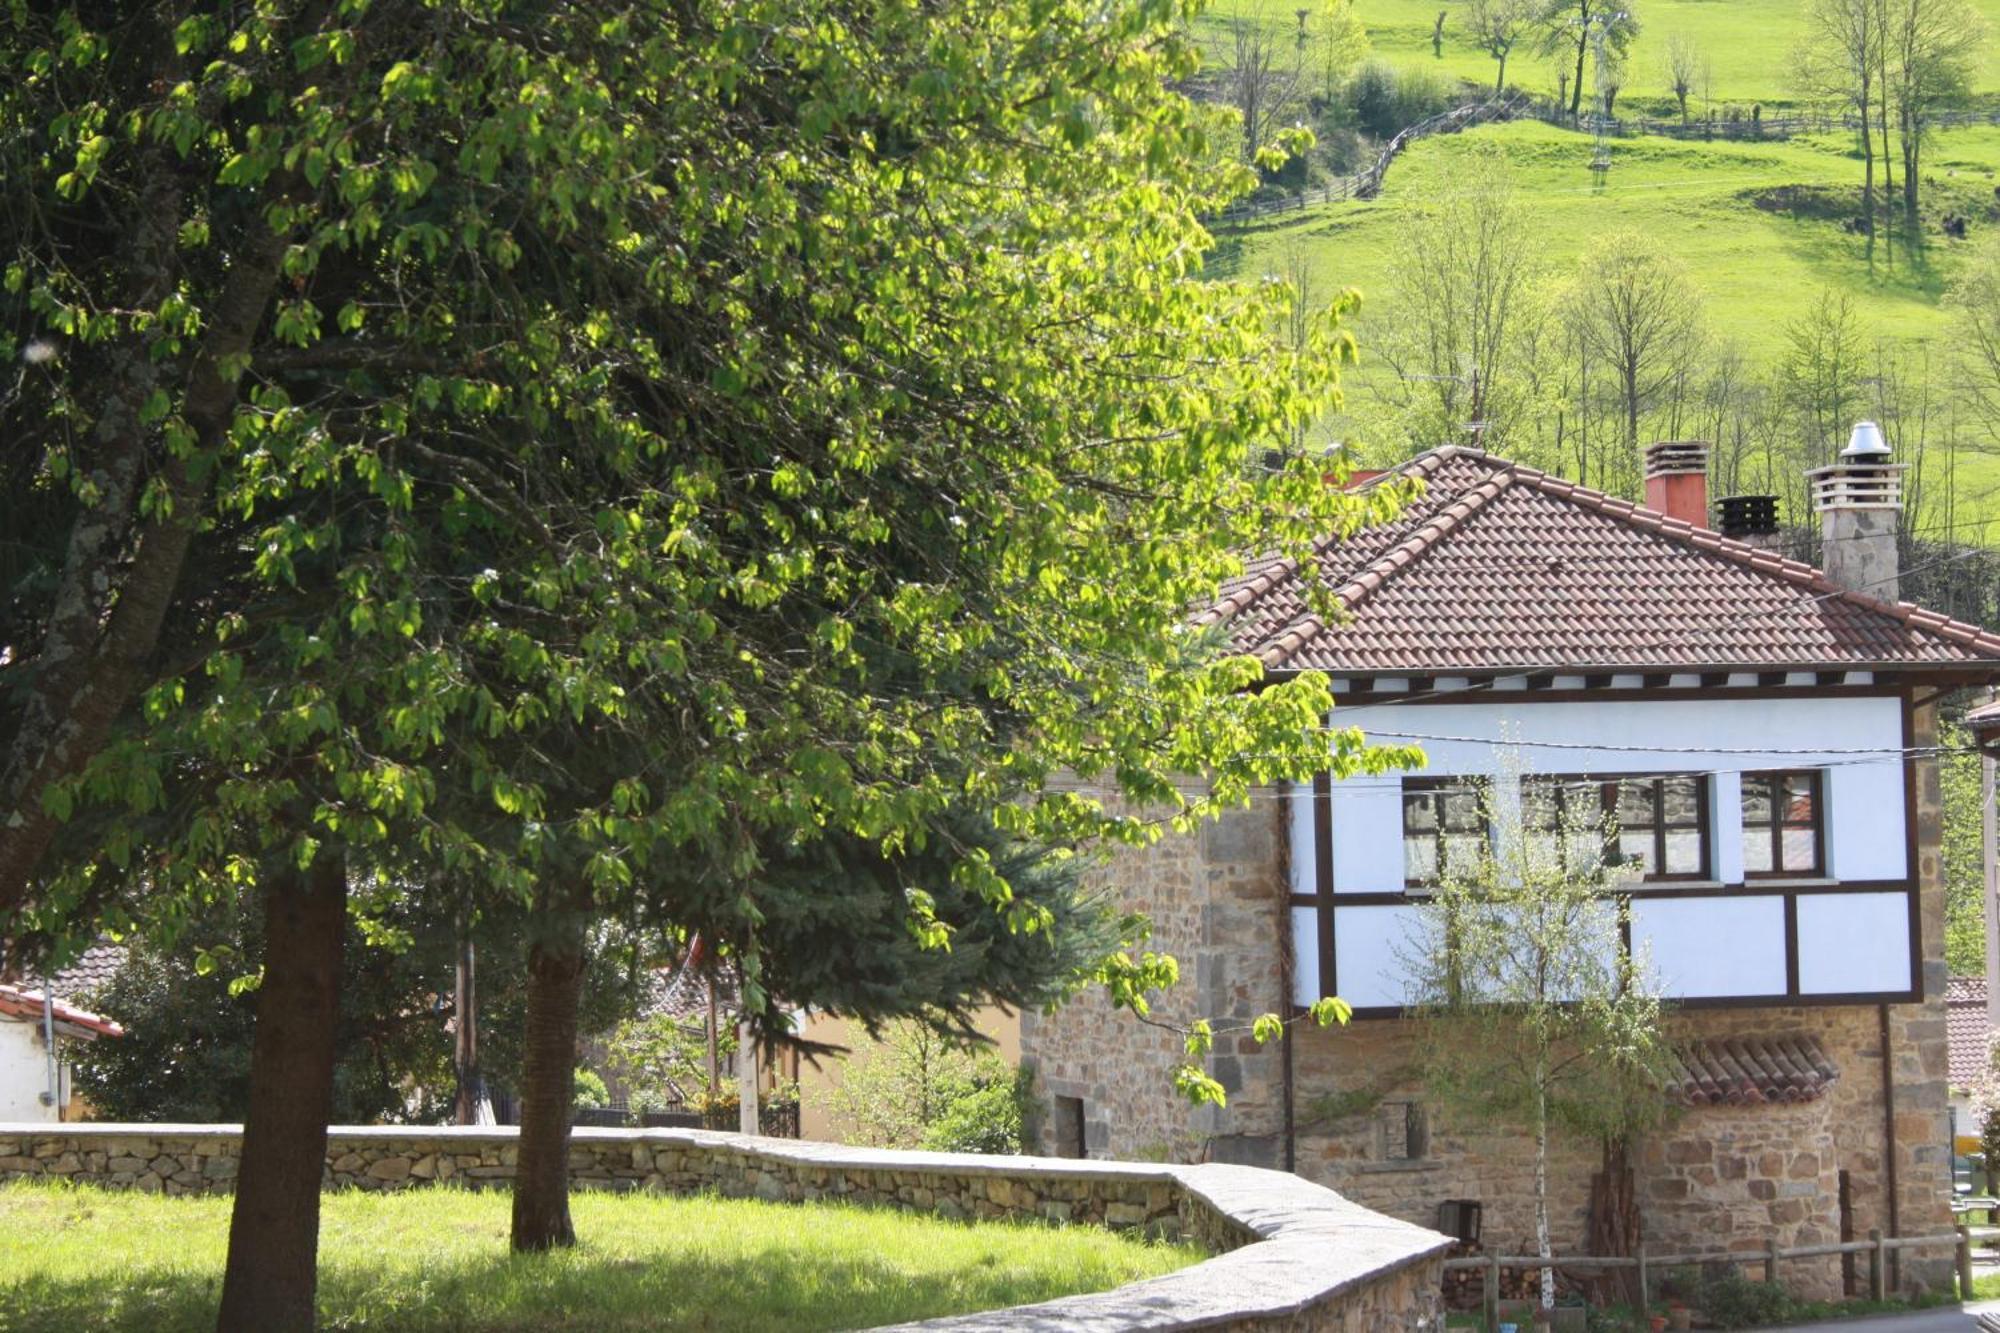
(1290, 1255)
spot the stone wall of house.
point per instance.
(1722, 1179)
(1289, 1255)
(1214, 903)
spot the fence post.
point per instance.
(1493, 1291)
(1645, 1287)
(1964, 1262)
(1771, 1261)
(1875, 1254)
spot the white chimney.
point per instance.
(1860, 504)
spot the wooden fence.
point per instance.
(1877, 1247)
(1367, 183)
(1733, 124)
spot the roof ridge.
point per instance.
(1284, 567)
(1756, 558)
(1398, 557)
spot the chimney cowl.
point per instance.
(1677, 480)
(1865, 444)
(1675, 457)
(1749, 518)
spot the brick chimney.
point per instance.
(1860, 504)
(1750, 519)
(1677, 480)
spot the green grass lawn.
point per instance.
(1748, 45)
(82, 1258)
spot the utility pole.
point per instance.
(1989, 859)
(746, 1077)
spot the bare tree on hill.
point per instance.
(1683, 69)
(1839, 61)
(1496, 26)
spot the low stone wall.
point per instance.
(1290, 1255)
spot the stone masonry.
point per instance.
(1290, 1257)
(1722, 1179)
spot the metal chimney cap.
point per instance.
(1866, 444)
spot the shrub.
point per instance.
(990, 1118)
(1734, 1301)
(1421, 93)
(1371, 93)
(1384, 100)
(588, 1090)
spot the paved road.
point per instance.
(1951, 1319)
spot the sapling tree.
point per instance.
(1531, 1012)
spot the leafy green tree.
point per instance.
(1531, 1011)
(615, 447)
(918, 1087)
(1964, 869)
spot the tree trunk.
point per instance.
(1544, 1250)
(274, 1225)
(103, 630)
(1614, 1222)
(548, 1070)
(1867, 163)
(465, 1038)
(1912, 152)
(1582, 45)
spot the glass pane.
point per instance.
(1635, 852)
(1756, 850)
(1799, 799)
(1635, 803)
(1419, 812)
(1801, 850)
(1684, 852)
(1462, 852)
(1683, 802)
(1586, 854)
(1542, 848)
(1757, 803)
(1420, 860)
(1538, 805)
(1462, 813)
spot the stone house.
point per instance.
(1759, 725)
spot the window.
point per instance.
(1661, 823)
(1781, 824)
(1402, 1132)
(1444, 829)
(1663, 826)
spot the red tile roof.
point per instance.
(1971, 1040)
(1500, 566)
(1746, 1071)
(93, 968)
(18, 1003)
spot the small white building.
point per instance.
(29, 1024)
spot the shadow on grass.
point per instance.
(778, 1289)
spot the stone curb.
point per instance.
(1295, 1255)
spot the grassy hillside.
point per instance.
(1747, 43)
(1758, 224)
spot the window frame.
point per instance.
(1776, 828)
(1608, 785)
(1413, 786)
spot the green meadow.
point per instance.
(1747, 45)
